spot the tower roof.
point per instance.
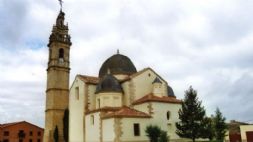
(108, 84)
(157, 80)
(170, 92)
(117, 64)
(60, 31)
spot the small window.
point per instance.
(20, 140)
(77, 93)
(136, 129)
(39, 133)
(50, 54)
(21, 134)
(168, 115)
(38, 140)
(30, 140)
(61, 53)
(92, 119)
(98, 103)
(6, 133)
(31, 133)
(6, 140)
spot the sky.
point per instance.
(206, 44)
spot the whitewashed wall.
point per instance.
(92, 130)
(108, 130)
(76, 112)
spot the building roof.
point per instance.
(117, 64)
(16, 123)
(234, 126)
(108, 84)
(152, 98)
(170, 92)
(103, 109)
(89, 79)
(157, 80)
(126, 112)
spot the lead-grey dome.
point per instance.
(170, 92)
(108, 84)
(117, 64)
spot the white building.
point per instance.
(120, 103)
(246, 133)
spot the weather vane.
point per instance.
(60, 1)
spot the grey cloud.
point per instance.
(232, 97)
(12, 21)
(151, 33)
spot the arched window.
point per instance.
(77, 93)
(98, 103)
(168, 115)
(61, 53)
(92, 119)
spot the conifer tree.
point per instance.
(66, 125)
(153, 133)
(220, 126)
(191, 115)
(56, 134)
(163, 136)
(208, 128)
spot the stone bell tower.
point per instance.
(57, 92)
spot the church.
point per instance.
(115, 106)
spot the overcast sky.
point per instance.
(204, 43)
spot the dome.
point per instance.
(108, 84)
(170, 92)
(117, 64)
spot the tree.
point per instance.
(163, 137)
(191, 115)
(208, 128)
(66, 125)
(153, 132)
(220, 126)
(56, 134)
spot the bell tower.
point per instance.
(57, 91)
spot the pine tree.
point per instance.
(220, 126)
(56, 134)
(153, 132)
(163, 137)
(191, 115)
(208, 128)
(66, 125)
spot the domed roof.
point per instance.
(108, 84)
(117, 64)
(170, 92)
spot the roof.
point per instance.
(234, 126)
(15, 123)
(89, 79)
(118, 64)
(103, 109)
(126, 112)
(108, 84)
(157, 80)
(152, 98)
(170, 92)
(142, 71)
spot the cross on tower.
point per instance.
(60, 1)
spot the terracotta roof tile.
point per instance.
(126, 112)
(89, 79)
(9, 124)
(152, 98)
(103, 109)
(15, 123)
